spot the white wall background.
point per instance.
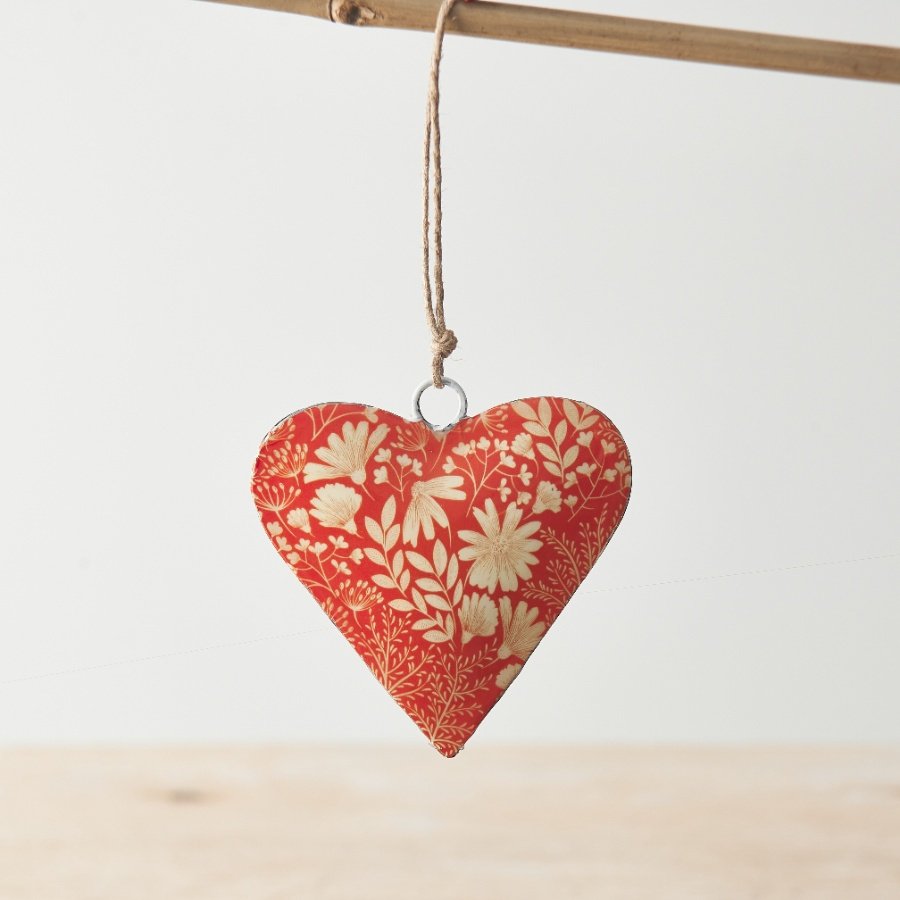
(209, 218)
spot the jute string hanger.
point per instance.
(570, 29)
(443, 340)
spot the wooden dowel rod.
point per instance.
(614, 34)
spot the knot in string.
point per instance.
(444, 344)
(441, 347)
(443, 341)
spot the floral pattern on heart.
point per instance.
(443, 556)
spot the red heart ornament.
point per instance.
(443, 556)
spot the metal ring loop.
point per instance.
(460, 413)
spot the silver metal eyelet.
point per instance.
(460, 413)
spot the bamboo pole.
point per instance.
(614, 34)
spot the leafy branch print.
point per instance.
(437, 592)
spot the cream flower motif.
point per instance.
(346, 456)
(407, 462)
(424, 510)
(335, 506)
(478, 616)
(299, 518)
(507, 675)
(523, 445)
(547, 496)
(358, 596)
(284, 460)
(411, 438)
(283, 431)
(494, 419)
(521, 632)
(503, 552)
(274, 497)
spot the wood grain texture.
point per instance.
(497, 822)
(613, 34)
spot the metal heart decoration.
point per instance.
(443, 556)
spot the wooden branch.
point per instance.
(614, 34)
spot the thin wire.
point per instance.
(443, 340)
(325, 627)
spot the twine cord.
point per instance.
(443, 340)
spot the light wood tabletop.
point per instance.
(327, 823)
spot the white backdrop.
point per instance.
(209, 217)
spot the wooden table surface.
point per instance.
(619, 823)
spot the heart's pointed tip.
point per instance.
(447, 750)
